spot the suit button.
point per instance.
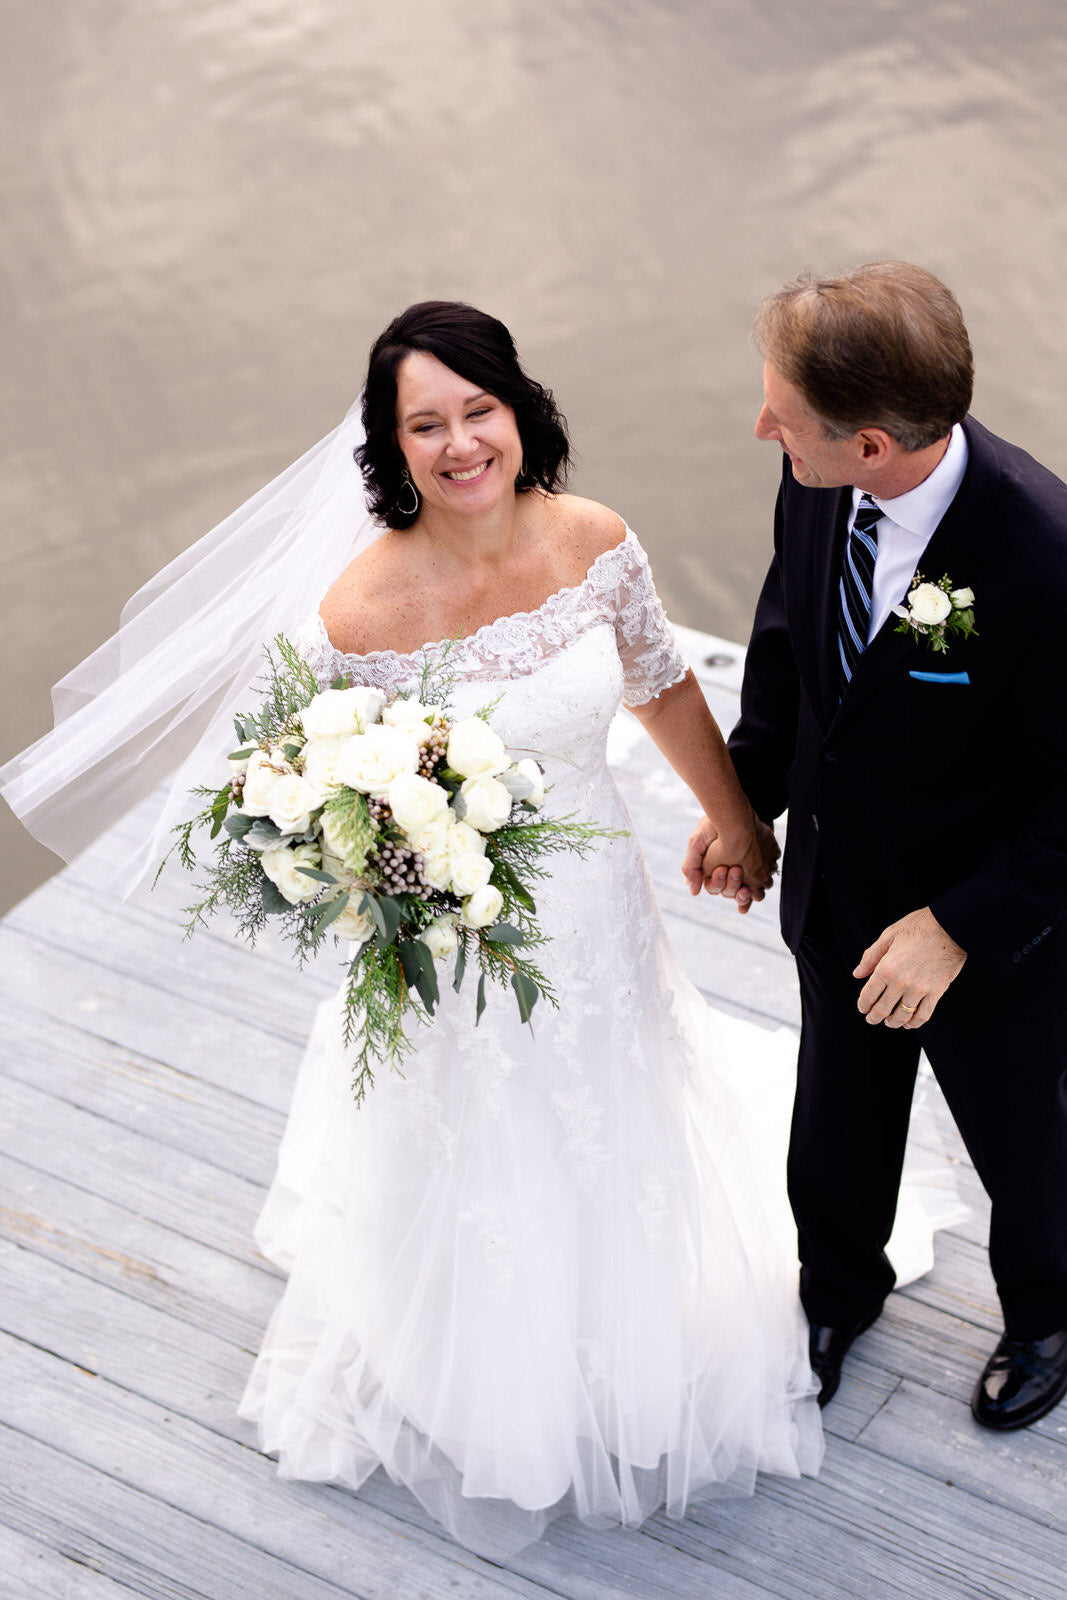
(1045, 931)
(1017, 955)
(1027, 949)
(815, 822)
(831, 758)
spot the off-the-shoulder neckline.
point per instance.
(629, 539)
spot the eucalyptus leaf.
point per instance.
(239, 825)
(479, 1005)
(313, 872)
(242, 755)
(461, 964)
(330, 910)
(390, 910)
(526, 993)
(504, 933)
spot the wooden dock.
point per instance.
(144, 1090)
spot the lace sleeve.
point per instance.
(650, 657)
(313, 643)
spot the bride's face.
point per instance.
(461, 445)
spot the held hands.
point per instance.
(742, 873)
(908, 969)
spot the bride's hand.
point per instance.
(738, 870)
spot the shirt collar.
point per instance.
(921, 509)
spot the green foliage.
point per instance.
(350, 815)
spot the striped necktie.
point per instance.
(856, 587)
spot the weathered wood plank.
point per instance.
(934, 1433)
(140, 1541)
(30, 1570)
(891, 1529)
(189, 1030)
(144, 1259)
(201, 1200)
(164, 1103)
(109, 1335)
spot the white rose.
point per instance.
(962, 599)
(335, 713)
(929, 604)
(440, 938)
(413, 716)
(486, 803)
(321, 764)
(281, 868)
(353, 924)
(529, 769)
(372, 760)
(434, 845)
(474, 749)
(483, 907)
(292, 800)
(470, 872)
(463, 840)
(261, 775)
(415, 802)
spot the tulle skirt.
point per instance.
(550, 1269)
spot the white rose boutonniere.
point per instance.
(936, 612)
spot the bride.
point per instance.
(551, 1268)
(547, 1269)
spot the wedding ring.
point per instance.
(903, 1007)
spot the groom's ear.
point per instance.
(876, 446)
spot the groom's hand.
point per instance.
(907, 970)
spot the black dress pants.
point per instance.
(999, 1052)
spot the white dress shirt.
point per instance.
(907, 525)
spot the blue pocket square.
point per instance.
(941, 677)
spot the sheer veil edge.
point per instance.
(156, 701)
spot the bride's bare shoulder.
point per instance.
(585, 528)
(362, 607)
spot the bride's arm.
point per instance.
(682, 726)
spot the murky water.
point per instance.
(211, 206)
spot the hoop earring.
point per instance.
(523, 471)
(408, 511)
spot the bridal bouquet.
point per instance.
(390, 824)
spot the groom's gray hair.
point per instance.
(883, 346)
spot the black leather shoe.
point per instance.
(1023, 1380)
(827, 1348)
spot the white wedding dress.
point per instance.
(551, 1268)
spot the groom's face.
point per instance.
(817, 462)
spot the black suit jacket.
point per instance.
(909, 793)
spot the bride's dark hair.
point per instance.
(479, 348)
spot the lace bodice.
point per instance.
(617, 593)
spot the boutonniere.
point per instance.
(934, 612)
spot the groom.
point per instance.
(924, 886)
